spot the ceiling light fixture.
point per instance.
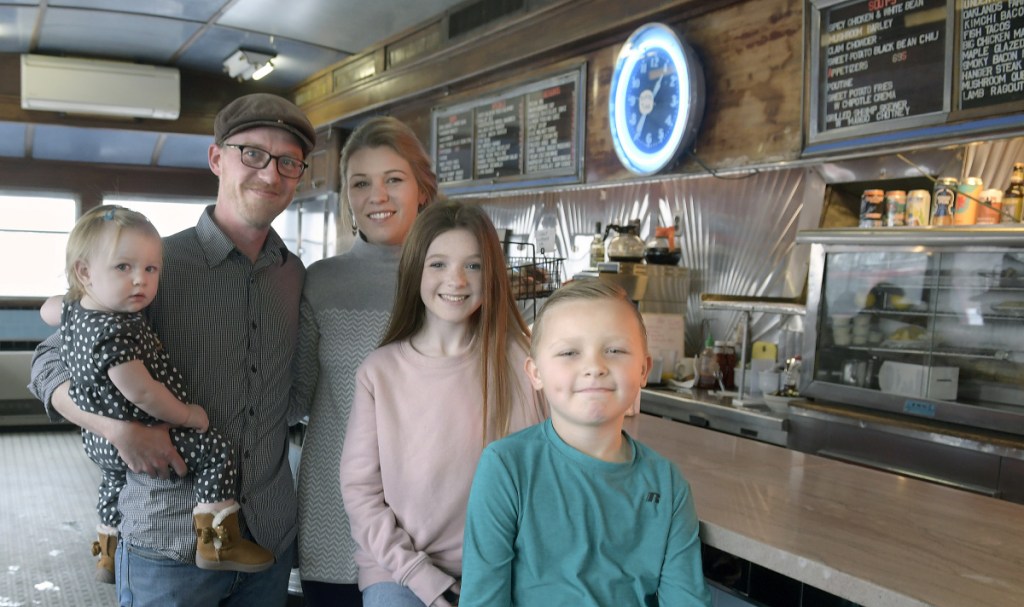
(245, 64)
(263, 71)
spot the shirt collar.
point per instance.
(217, 246)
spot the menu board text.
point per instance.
(881, 60)
(532, 131)
(991, 52)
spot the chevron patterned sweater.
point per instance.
(346, 303)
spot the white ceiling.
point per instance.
(306, 36)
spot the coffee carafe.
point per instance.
(626, 245)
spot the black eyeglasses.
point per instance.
(255, 158)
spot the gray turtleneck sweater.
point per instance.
(346, 303)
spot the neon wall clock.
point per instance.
(657, 99)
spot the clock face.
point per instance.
(656, 99)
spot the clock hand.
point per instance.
(657, 85)
(640, 126)
(654, 95)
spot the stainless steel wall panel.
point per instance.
(736, 235)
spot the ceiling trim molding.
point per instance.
(554, 32)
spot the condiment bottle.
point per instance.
(791, 379)
(597, 247)
(725, 356)
(707, 367)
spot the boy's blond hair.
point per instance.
(585, 289)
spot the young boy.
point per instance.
(573, 511)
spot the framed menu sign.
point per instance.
(523, 136)
(879, 65)
(991, 52)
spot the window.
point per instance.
(170, 216)
(304, 226)
(33, 235)
(309, 229)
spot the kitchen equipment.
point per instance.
(626, 245)
(935, 349)
(661, 249)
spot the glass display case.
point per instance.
(926, 322)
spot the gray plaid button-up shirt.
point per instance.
(230, 326)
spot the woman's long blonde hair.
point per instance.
(496, 322)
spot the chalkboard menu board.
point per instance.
(499, 138)
(453, 146)
(530, 134)
(991, 52)
(549, 129)
(880, 65)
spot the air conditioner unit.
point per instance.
(109, 88)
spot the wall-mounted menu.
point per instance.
(498, 141)
(549, 129)
(531, 133)
(991, 52)
(880, 62)
(453, 152)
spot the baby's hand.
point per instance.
(197, 418)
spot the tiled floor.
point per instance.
(48, 521)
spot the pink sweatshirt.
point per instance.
(413, 440)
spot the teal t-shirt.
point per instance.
(549, 525)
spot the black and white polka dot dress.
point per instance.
(92, 342)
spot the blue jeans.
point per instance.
(145, 578)
(389, 594)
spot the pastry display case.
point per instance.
(921, 322)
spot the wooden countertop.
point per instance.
(872, 537)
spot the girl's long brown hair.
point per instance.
(497, 321)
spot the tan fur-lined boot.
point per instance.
(221, 545)
(105, 547)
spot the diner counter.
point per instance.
(871, 537)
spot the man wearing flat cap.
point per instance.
(227, 312)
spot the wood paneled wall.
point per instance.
(752, 51)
